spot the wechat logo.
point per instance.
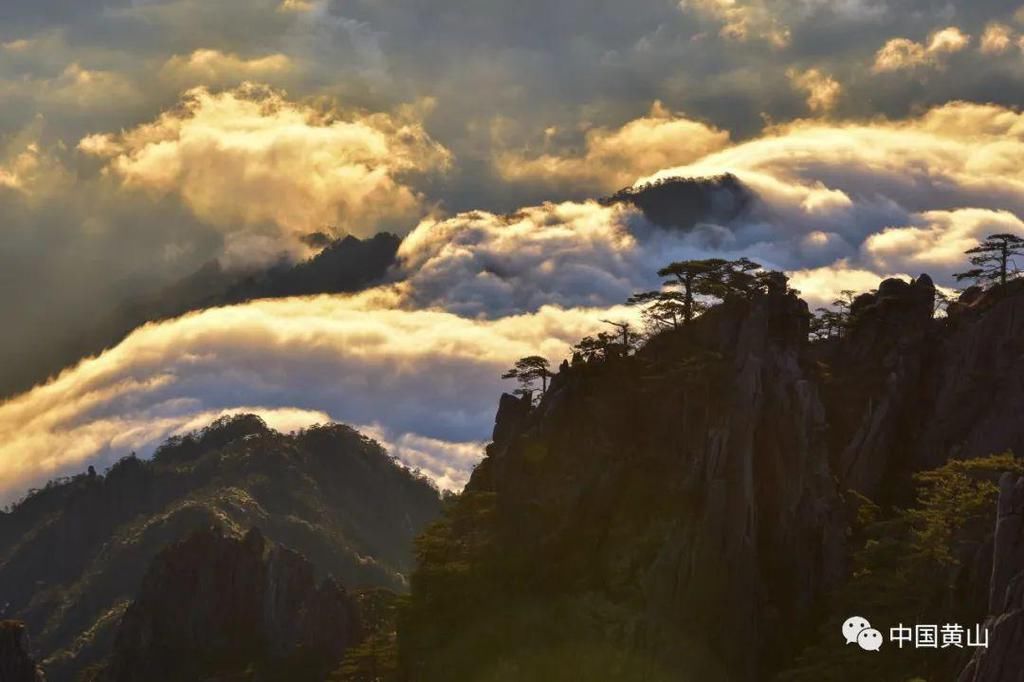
(857, 630)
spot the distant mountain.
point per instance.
(73, 555)
(683, 203)
(344, 265)
(698, 510)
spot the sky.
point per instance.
(140, 139)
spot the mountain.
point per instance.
(704, 508)
(683, 203)
(73, 555)
(218, 607)
(345, 265)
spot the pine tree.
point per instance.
(993, 259)
(528, 370)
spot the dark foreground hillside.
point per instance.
(72, 556)
(704, 509)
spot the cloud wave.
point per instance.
(425, 381)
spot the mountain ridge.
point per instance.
(72, 554)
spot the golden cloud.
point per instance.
(31, 171)
(820, 286)
(76, 87)
(213, 67)
(902, 53)
(249, 157)
(942, 238)
(614, 158)
(823, 91)
(743, 20)
(998, 38)
(427, 379)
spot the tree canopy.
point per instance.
(691, 285)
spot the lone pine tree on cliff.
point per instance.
(527, 371)
(993, 259)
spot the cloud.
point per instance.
(938, 243)
(743, 20)
(614, 158)
(839, 205)
(216, 68)
(447, 464)
(249, 157)
(821, 286)
(880, 196)
(998, 38)
(74, 87)
(294, 360)
(482, 264)
(823, 91)
(901, 54)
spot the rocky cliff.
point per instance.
(218, 607)
(16, 664)
(1003, 660)
(907, 391)
(682, 513)
(72, 555)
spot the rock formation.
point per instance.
(16, 665)
(1003, 660)
(214, 606)
(687, 507)
(683, 497)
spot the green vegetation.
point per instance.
(912, 566)
(375, 659)
(327, 491)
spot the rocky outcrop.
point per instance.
(907, 392)
(881, 364)
(975, 394)
(680, 500)
(687, 506)
(16, 665)
(214, 606)
(1003, 660)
